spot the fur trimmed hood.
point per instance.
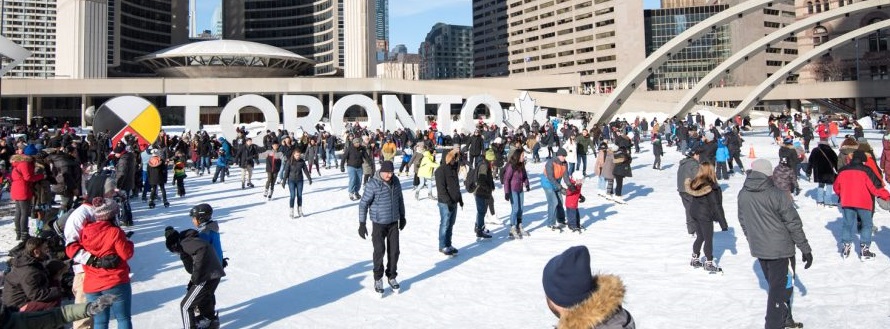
(600, 308)
(21, 158)
(696, 191)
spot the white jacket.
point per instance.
(571, 151)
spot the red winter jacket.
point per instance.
(22, 177)
(823, 132)
(855, 189)
(573, 195)
(102, 239)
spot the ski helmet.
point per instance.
(202, 212)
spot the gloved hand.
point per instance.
(508, 196)
(402, 223)
(362, 230)
(461, 203)
(189, 286)
(99, 305)
(807, 260)
(225, 262)
(561, 190)
(528, 188)
(581, 199)
(283, 183)
(106, 262)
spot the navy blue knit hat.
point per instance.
(567, 278)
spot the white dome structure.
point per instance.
(226, 59)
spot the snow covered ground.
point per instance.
(315, 272)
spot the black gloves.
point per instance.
(461, 203)
(100, 304)
(807, 260)
(342, 169)
(225, 262)
(581, 199)
(106, 262)
(362, 230)
(402, 223)
(171, 236)
(189, 286)
(508, 197)
(310, 182)
(528, 188)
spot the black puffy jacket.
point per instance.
(823, 162)
(28, 282)
(707, 202)
(199, 258)
(448, 185)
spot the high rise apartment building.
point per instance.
(490, 38)
(142, 27)
(312, 29)
(447, 53)
(382, 29)
(600, 39)
(687, 67)
(81, 39)
(32, 25)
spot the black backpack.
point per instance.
(470, 181)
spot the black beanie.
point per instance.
(567, 278)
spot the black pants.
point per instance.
(154, 193)
(778, 302)
(180, 185)
(721, 171)
(737, 157)
(201, 296)
(384, 236)
(690, 223)
(22, 212)
(657, 163)
(270, 182)
(619, 184)
(704, 233)
(220, 174)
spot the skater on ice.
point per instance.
(383, 199)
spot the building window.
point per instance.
(820, 35)
(819, 6)
(877, 41)
(827, 5)
(809, 7)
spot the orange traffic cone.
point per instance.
(751, 153)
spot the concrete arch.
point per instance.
(767, 85)
(638, 75)
(706, 83)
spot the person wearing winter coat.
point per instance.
(823, 170)
(571, 147)
(584, 143)
(706, 207)
(605, 165)
(273, 158)
(428, 166)
(482, 194)
(312, 156)
(54, 318)
(580, 299)
(29, 281)
(157, 178)
(354, 157)
(734, 143)
(787, 151)
(407, 158)
(179, 175)
(383, 199)
(102, 238)
(848, 146)
(222, 164)
(857, 186)
(622, 169)
(23, 177)
(246, 157)
(515, 177)
(773, 228)
(657, 151)
(449, 197)
(67, 173)
(330, 145)
(885, 156)
(688, 168)
(206, 270)
(552, 184)
(297, 171)
(722, 157)
(125, 170)
(475, 147)
(573, 197)
(388, 150)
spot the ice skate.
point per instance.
(712, 268)
(378, 287)
(300, 212)
(393, 284)
(292, 213)
(696, 261)
(482, 233)
(515, 234)
(845, 253)
(865, 253)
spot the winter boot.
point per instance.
(242, 185)
(481, 232)
(791, 324)
(151, 205)
(696, 261)
(166, 204)
(846, 251)
(393, 284)
(300, 211)
(711, 267)
(430, 196)
(865, 253)
(292, 213)
(250, 185)
(270, 195)
(265, 193)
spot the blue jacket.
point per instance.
(553, 175)
(722, 151)
(383, 200)
(209, 231)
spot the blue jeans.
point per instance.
(825, 194)
(582, 159)
(571, 169)
(555, 210)
(121, 308)
(331, 158)
(601, 183)
(355, 179)
(850, 215)
(145, 187)
(296, 191)
(204, 164)
(447, 216)
(282, 170)
(516, 199)
(481, 207)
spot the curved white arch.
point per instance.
(638, 75)
(767, 85)
(706, 83)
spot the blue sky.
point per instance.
(410, 20)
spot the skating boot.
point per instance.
(696, 261)
(151, 205)
(300, 212)
(846, 251)
(378, 286)
(865, 253)
(711, 267)
(292, 213)
(242, 185)
(393, 284)
(416, 194)
(514, 233)
(791, 324)
(265, 193)
(250, 185)
(482, 233)
(166, 204)
(270, 196)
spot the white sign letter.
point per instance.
(496, 112)
(339, 110)
(227, 117)
(192, 104)
(292, 121)
(394, 112)
(444, 113)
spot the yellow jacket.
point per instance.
(427, 165)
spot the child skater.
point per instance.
(573, 197)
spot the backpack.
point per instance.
(470, 182)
